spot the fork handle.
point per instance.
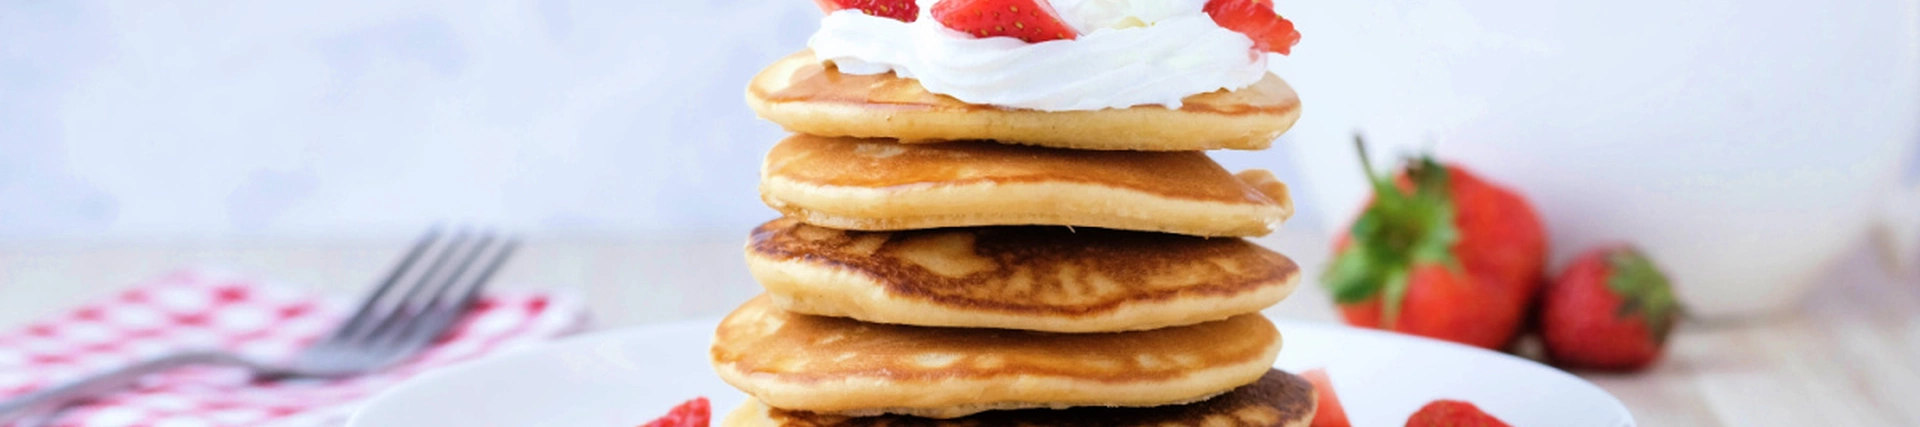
(40, 404)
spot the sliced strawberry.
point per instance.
(1329, 413)
(903, 10)
(1453, 413)
(1032, 21)
(1256, 19)
(693, 413)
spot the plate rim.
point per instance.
(592, 338)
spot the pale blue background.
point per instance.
(303, 120)
(210, 119)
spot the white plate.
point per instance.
(626, 377)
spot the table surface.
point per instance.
(1845, 356)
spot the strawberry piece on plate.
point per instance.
(1257, 20)
(1329, 413)
(693, 413)
(902, 10)
(1033, 21)
(1452, 413)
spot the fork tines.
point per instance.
(423, 295)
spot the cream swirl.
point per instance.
(1154, 53)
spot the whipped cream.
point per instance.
(1129, 53)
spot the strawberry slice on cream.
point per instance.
(1031, 21)
(900, 10)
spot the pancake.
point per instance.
(878, 185)
(1032, 278)
(843, 366)
(1279, 399)
(807, 96)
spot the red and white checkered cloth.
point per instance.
(203, 309)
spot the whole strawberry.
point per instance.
(1611, 310)
(1440, 253)
(1452, 413)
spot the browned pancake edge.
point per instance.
(840, 162)
(1040, 278)
(1278, 399)
(839, 365)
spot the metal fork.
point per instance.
(433, 284)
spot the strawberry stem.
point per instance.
(1644, 291)
(1400, 230)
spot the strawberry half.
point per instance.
(1453, 413)
(692, 413)
(1033, 21)
(903, 10)
(1257, 20)
(1327, 412)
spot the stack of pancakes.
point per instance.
(942, 263)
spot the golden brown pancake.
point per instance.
(807, 96)
(1278, 399)
(843, 366)
(1033, 278)
(875, 185)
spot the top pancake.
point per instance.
(806, 96)
(1278, 399)
(879, 185)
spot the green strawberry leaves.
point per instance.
(1644, 291)
(1398, 231)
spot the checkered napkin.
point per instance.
(202, 309)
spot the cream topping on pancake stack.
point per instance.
(952, 253)
(806, 96)
(1172, 50)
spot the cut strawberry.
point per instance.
(693, 413)
(1256, 19)
(903, 10)
(1452, 413)
(1329, 413)
(1032, 21)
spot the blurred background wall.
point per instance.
(312, 119)
(301, 120)
(318, 120)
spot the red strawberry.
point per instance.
(693, 413)
(1256, 19)
(1033, 21)
(1611, 310)
(903, 10)
(1452, 413)
(1442, 254)
(1328, 412)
